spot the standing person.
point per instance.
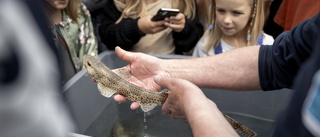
(234, 24)
(127, 23)
(73, 31)
(292, 62)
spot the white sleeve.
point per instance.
(199, 50)
(267, 39)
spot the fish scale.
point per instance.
(110, 83)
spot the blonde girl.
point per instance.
(127, 23)
(233, 24)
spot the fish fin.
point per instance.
(123, 73)
(105, 91)
(148, 106)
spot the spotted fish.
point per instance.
(114, 82)
(110, 82)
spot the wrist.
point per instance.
(141, 26)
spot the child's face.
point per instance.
(232, 16)
(58, 4)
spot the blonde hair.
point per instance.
(204, 7)
(72, 9)
(254, 28)
(138, 8)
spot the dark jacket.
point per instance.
(127, 33)
(292, 62)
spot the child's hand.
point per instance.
(150, 27)
(176, 23)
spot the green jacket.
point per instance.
(79, 37)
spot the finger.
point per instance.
(175, 27)
(164, 82)
(120, 98)
(124, 55)
(165, 108)
(158, 23)
(168, 82)
(172, 25)
(178, 17)
(134, 105)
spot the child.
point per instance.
(234, 24)
(127, 23)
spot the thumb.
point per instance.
(165, 82)
(124, 55)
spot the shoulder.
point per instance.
(267, 39)
(199, 50)
(201, 43)
(84, 14)
(84, 11)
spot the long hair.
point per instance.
(254, 26)
(72, 9)
(204, 7)
(138, 8)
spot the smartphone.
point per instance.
(165, 12)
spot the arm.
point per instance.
(279, 64)
(188, 37)
(187, 101)
(233, 70)
(128, 31)
(124, 34)
(236, 69)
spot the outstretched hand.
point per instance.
(144, 68)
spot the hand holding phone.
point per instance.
(164, 13)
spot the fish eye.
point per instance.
(89, 64)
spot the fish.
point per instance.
(115, 82)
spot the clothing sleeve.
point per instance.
(124, 34)
(189, 36)
(279, 64)
(87, 37)
(199, 50)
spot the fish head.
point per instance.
(89, 63)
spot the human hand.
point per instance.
(144, 68)
(184, 97)
(186, 101)
(150, 27)
(176, 23)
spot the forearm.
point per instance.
(124, 34)
(233, 70)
